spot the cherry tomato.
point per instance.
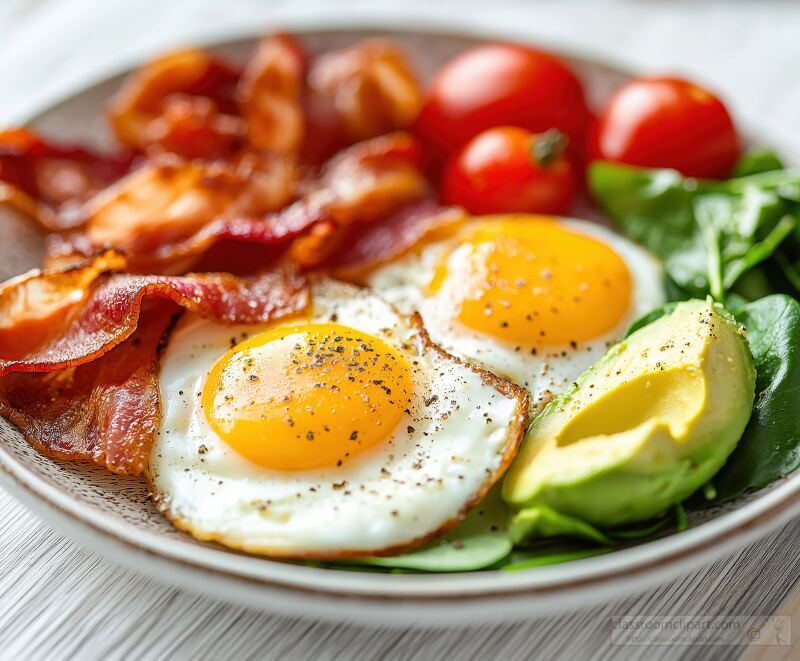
(509, 170)
(501, 85)
(666, 123)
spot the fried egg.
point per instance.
(534, 299)
(337, 434)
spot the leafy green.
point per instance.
(554, 551)
(785, 183)
(791, 271)
(543, 557)
(644, 530)
(654, 209)
(739, 232)
(756, 161)
(681, 522)
(468, 554)
(770, 446)
(650, 317)
(542, 521)
(710, 235)
(758, 252)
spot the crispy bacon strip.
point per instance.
(371, 86)
(30, 208)
(364, 183)
(48, 182)
(102, 309)
(169, 200)
(34, 305)
(165, 217)
(193, 127)
(149, 91)
(270, 95)
(272, 231)
(392, 236)
(79, 350)
(275, 229)
(356, 94)
(105, 411)
(66, 250)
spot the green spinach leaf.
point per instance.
(542, 521)
(710, 235)
(651, 316)
(756, 161)
(770, 446)
(644, 530)
(467, 554)
(550, 556)
(654, 209)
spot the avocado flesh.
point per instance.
(644, 427)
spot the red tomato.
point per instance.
(509, 170)
(666, 123)
(501, 85)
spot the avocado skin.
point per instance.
(635, 474)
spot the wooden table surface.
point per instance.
(59, 600)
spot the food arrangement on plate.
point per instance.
(332, 315)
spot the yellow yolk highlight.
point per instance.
(530, 280)
(307, 396)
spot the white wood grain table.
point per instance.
(59, 600)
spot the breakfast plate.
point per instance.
(115, 515)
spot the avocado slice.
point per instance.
(640, 430)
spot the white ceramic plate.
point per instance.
(113, 515)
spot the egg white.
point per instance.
(459, 434)
(546, 371)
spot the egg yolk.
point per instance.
(307, 396)
(533, 281)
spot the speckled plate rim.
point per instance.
(433, 599)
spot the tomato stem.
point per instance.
(548, 146)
